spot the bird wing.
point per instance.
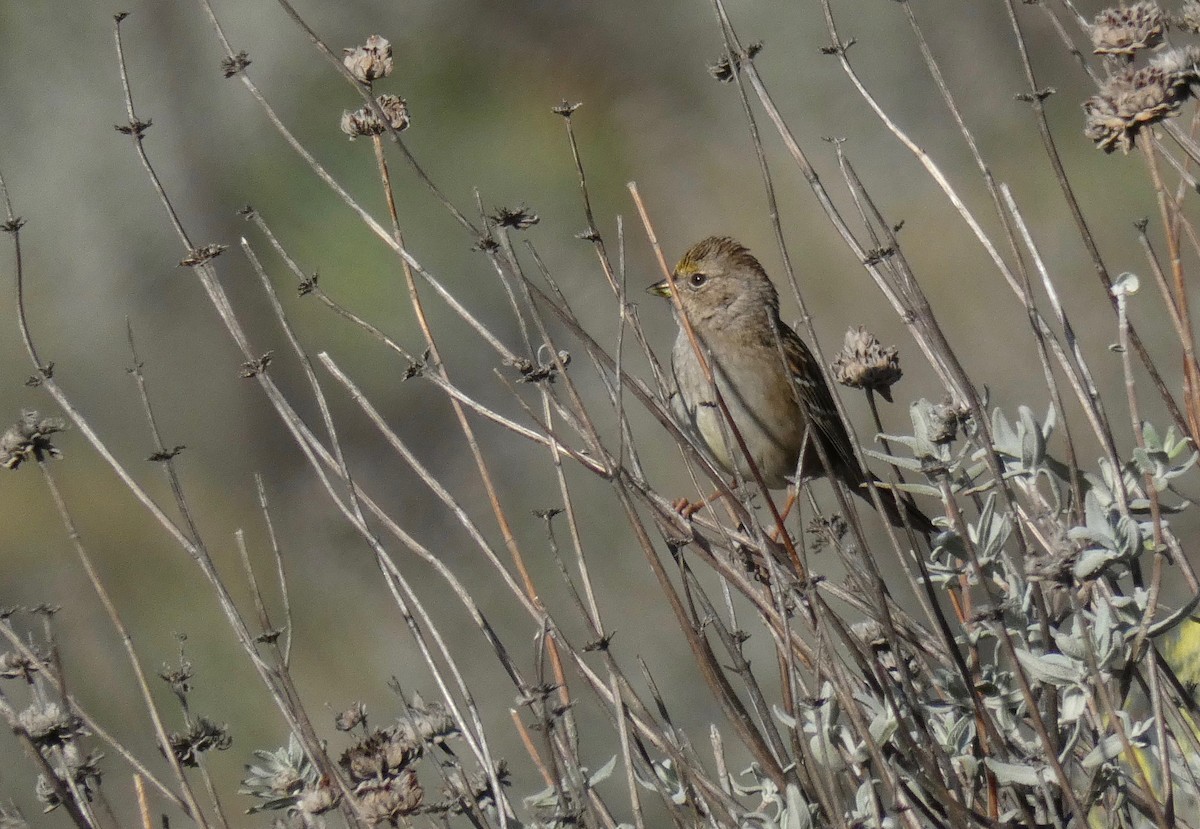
(816, 399)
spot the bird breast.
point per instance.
(761, 400)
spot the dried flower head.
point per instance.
(11, 818)
(425, 724)
(202, 735)
(84, 773)
(1125, 29)
(1182, 63)
(724, 70)
(364, 121)
(234, 64)
(49, 725)
(178, 677)
(1188, 18)
(29, 438)
(517, 218)
(472, 792)
(942, 422)
(1131, 99)
(15, 665)
(200, 255)
(863, 363)
(351, 718)
(319, 799)
(825, 530)
(360, 122)
(386, 801)
(395, 109)
(566, 109)
(370, 61)
(382, 753)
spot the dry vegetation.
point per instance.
(1018, 674)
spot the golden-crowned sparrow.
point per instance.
(767, 377)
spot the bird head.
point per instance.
(720, 283)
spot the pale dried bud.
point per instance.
(863, 363)
(370, 61)
(1125, 29)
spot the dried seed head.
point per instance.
(11, 818)
(29, 438)
(517, 218)
(870, 633)
(395, 109)
(319, 799)
(84, 773)
(351, 718)
(1125, 29)
(470, 792)
(425, 724)
(1131, 99)
(202, 735)
(1182, 63)
(370, 61)
(386, 801)
(863, 363)
(179, 677)
(942, 422)
(235, 64)
(49, 725)
(725, 70)
(1188, 18)
(382, 753)
(14, 665)
(360, 122)
(364, 121)
(200, 255)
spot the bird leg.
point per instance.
(787, 508)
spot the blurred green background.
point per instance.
(480, 79)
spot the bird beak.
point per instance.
(661, 288)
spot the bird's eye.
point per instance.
(697, 279)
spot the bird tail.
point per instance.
(898, 507)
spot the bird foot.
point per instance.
(686, 508)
